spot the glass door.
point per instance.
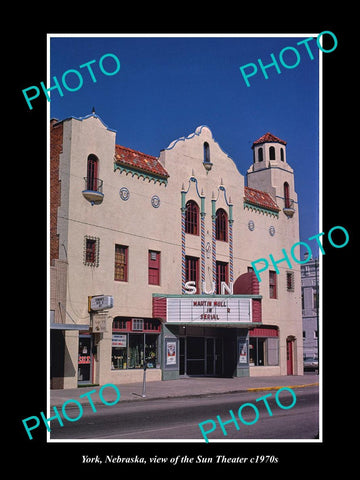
(182, 355)
(201, 356)
(213, 356)
(195, 356)
(210, 356)
(218, 356)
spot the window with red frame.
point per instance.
(272, 284)
(126, 324)
(90, 250)
(221, 225)
(121, 263)
(92, 172)
(192, 218)
(192, 270)
(154, 267)
(286, 195)
(222, 274)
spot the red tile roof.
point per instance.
(139, 161)
(260, 199)
(269, 137)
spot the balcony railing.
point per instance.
(93, 190)
(93, 184)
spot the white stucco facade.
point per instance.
(141, 209)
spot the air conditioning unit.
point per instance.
(101, 302)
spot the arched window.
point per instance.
(261, 158)
(282, 154)
(286, 195)
(272, 153)
(206, 152)
(192, 218)
(221, 225)
(92, 172)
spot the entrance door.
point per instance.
(84, 359)
(210, 356)
(182, 356)
(195, 356)
(289, 356)
(213, 356)
(218, 356)
(201, 356)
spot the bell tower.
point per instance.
(271, 173)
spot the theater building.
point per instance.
(150, 259)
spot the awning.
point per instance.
(69, 326)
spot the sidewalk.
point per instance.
(184, 387)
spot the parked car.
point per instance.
(311, 363)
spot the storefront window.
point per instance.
(136, 351)
(119, 352)
(151, 342)
(130, 350)
(257, 356)
(264, 351)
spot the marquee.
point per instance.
(209, 309)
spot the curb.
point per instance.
(204, 394)
(255, 389)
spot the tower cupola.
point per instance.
(271, 173)
(268, 148)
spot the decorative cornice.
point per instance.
(264, 211)
(140, 173)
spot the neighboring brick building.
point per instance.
(170, 240)
(56, 150)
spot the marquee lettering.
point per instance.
(190, 288)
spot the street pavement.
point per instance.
(184, 387)
(180, 417)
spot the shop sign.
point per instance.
(101, 302)
(98, 321)
(118, 340)
(209, 310)
(84, 359)
(190, 288)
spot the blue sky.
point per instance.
(166, 87)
